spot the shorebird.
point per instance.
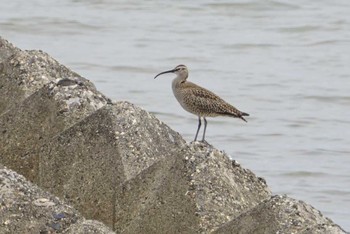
(199, 101)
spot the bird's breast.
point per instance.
(179, 93)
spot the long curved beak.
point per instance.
(170, 71)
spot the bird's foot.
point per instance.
(204, 142)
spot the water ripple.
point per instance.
(304, 174)
(47, 25)
(254, 5)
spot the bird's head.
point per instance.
(179, 70)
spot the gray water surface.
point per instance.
(284, 62)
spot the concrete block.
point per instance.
(25, 208)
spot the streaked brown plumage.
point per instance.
(200, 101)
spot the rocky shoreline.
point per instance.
(118, 164)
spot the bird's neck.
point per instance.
(177, 81)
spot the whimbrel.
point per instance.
(199, 101)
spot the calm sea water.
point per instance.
(284, 62)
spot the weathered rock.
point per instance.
(39, 99)
(6, 50)
(281, 214)
(88, 162)
(25, 208)
(88, 227)
(24, 72)
(195, 190)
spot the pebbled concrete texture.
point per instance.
(198, 187)
(39, 99)
(281, 214)
(22, 73)
(118, 164)
(88, 162)
(25, 208)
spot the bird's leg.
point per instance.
(205, 128)
(199, 126)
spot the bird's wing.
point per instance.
(206, 101)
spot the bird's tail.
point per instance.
(241, 116)
(236, 114)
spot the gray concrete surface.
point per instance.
(281, 214)
(25, 208)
